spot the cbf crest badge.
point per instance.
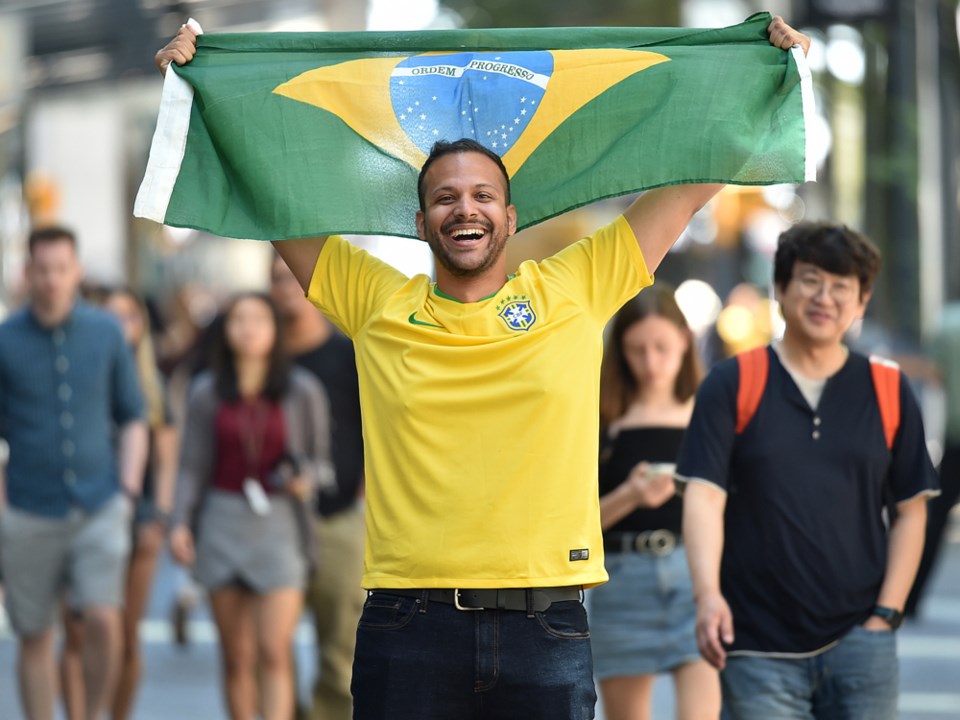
(517, 313)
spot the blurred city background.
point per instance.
(78, 101)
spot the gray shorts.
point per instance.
(82, 555)
(261, 552)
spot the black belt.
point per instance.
(522, 599)
(655, 542)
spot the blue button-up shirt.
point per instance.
(63, 392)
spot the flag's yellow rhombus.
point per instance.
(508, 101)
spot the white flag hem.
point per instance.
(809, 113)
(168, 146)
(167, 149)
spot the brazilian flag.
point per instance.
(285, 135)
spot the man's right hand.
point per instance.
(179, 50)
(714, 629)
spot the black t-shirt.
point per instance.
(805, 546)
(621, 454)
(334, 364)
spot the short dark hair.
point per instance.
(463, 145)
(831, 247)
(51, 233)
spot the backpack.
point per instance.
(754, 366)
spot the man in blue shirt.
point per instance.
(72, 414)
(799, 577)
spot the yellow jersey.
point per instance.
(480, 420)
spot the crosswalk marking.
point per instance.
(927, 646)
(933, 703)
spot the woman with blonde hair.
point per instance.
(642, 620)
(151, 513)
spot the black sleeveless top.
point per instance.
(619, 456)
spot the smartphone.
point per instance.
(661, 468)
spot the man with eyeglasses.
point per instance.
(804, 522)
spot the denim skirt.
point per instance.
(642, 621)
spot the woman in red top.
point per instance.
(255, 448)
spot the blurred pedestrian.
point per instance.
(255, 447)
(72, 413)
(151, 513)
(945, 350)
(335, 596)
(153, 507)
(744, 323)
(207, 325)
(642, 619)
(798, 579)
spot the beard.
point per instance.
(453, 264)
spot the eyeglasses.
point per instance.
(811, 284)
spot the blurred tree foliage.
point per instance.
(566, 13)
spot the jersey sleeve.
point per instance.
(349, 284)
(708, 442)
(911, 470)
(600, 272)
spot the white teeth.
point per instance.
(473, 233)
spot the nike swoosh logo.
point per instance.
(414, 321)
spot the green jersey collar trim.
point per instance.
(441, 293)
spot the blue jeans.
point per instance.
(422, 660)
(856, 679)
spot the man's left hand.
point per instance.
(785, 37)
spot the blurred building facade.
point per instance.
(78, 102)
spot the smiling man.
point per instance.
(480, 396)
(467, 218)
(798, 580)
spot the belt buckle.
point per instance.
(640, 541)
(661, 542)
(458, 606)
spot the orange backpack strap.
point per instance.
(886, 383)
(754, 365)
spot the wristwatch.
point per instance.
(892, 616)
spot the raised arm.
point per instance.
(659, 216)
(299, 255)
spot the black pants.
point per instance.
(938, 515)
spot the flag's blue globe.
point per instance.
(487, 97)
